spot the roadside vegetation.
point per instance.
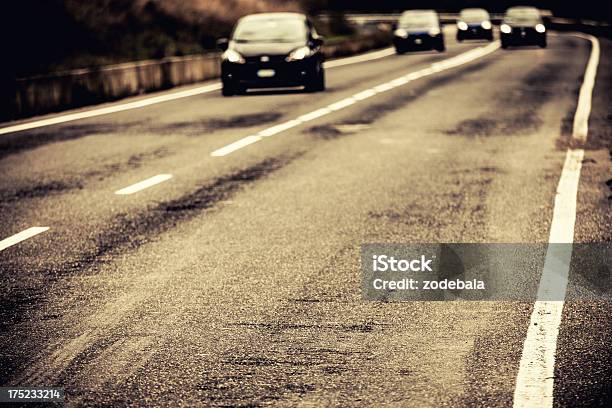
(43, 36)
(57, 35)
(51, 35)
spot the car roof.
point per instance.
(274, 16)
(417, 12)
(474, 10)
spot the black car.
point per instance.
(474, 23)
(522, 26)
(272, 50)
(418, 30)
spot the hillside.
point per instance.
(50, 35)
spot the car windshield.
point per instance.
(474, 16)
(271, 30)
(522, 16)
(418, 20)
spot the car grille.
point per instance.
(272, 59)
(526, 30)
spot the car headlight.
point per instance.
(462, 25)
(540, 28)
(400, 32)
(434, 31)
(233, 57)
(505, 28)
(486, 25)
(299, 54)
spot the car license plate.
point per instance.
(418, 41)
(266, 73)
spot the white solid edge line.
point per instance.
(150, 182)
(460, 59)
(168, 97)
(109, 109)
(535, 379)
(583, 111)
(21, 236)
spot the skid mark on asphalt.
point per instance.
(364, 327)
(250, 373)
(125, 233)
(517, 112)
(127, 354)
(464, 193)
(135, 161)
(16, 143)
(201, 127)
(85, 354)
(209, 195)
(15, 193)
(329, 132)
(130, 230)
(10, 195)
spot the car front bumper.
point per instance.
(268, 74)
(527, 36)
(417, 41)
(475, 32)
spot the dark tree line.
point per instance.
(594, 9)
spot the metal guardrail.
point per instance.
(80, 87)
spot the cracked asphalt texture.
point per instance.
(237, 283)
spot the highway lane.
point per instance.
(237, 281)
(109, 154)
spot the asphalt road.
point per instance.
(237, 281)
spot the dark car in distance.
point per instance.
(522, 26)
(474, 23)
(418, 30)
(272, 50)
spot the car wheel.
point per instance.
(228, 89)
(321, 81)
(542, 44)
(504, 45)
(317, 84)
(400, 51)
(441, 47)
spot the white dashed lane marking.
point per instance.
(22, 236)
(150, 182)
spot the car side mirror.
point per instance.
(223, 44)
(318, 41)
